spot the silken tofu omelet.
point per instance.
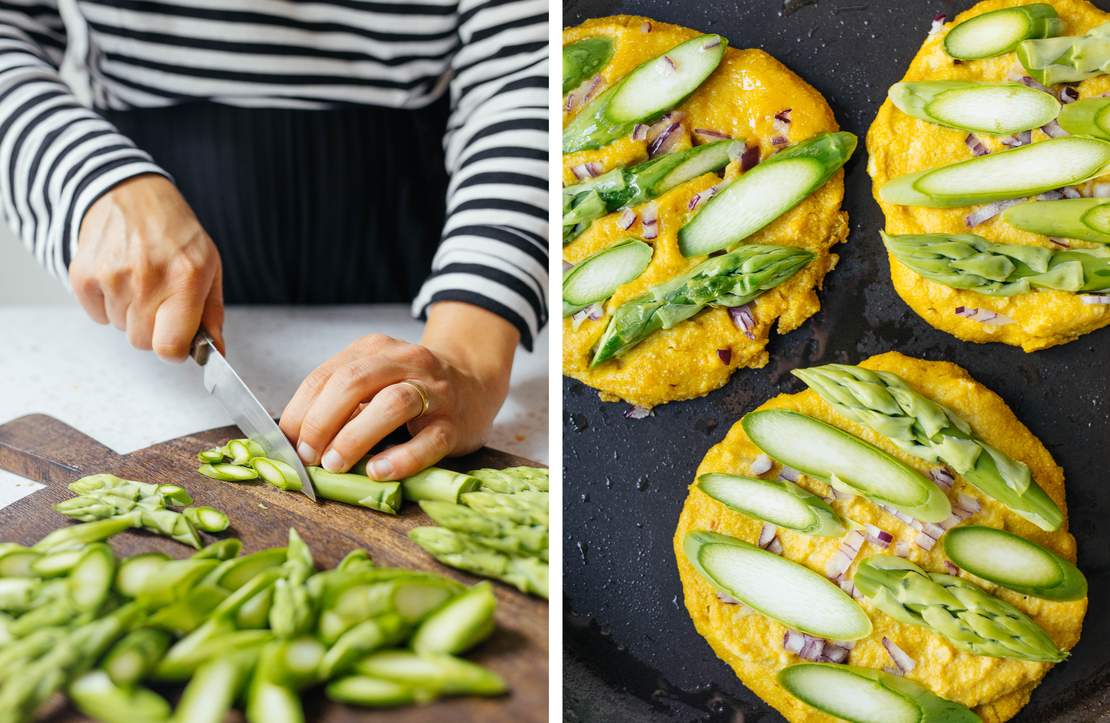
(740, 99)
(898, 144)
(753, 645)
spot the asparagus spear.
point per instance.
(459, 625)
(435, 483)
(967, 261)
(970, 618)
(584, 203)
(998, 108)
(646, 93)
(1016, 173)
(18, 561)
(357, 490)
(135, 656)
(487, 531)
(228, 472)
(522, 508)
(109, 485)
(284, 667)
(226, 549)
(242, 451)
(1086, 219)
(733, 279)
(214, 455)
(375, 692)
(366, 637)
(597, 277)
(88, 532)
(779, 502)
(1067, 59)
(444, 674)
(99, 697)
(583, 59)
(215, 685)
(277, 473)
(853, 693)
(1000, 31)
(756, 198)
(527, 574)
(1014, 562)
(513, 479)
(1089, 117)
(925, 429)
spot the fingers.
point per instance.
(345, 389)
(430, 445)
(212, 318)
(91, 298)
(390, 408)
(175, 324)
(293, 414)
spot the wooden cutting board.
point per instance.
(49, 451)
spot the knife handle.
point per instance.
(202, 343)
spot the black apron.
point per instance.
(307, 206)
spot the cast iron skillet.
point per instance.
(631, 651)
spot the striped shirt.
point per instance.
(58, 155)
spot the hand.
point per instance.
(353, 400)
(144, 263)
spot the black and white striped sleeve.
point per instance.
(494, 248)
(56, 155)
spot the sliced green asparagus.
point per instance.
(498, 534)
(527, 574)
(969, 617)
(513, 479)
(1067, 59)
(435, 483)
(459, 625)
(597, 277)
(930, 431)
(1000, 31)
(583, 59)
(783, 590)
(99, 697)
(444, 674)
(207, 519)
(277, 473)
(1090, 117)
(846, 462)
(967, 261)
(376, 693)
(998, 108)
(1085, 219)
(778, 502)
(355, 489)
(732, 279)
(228, 472)
(866, 695)
(585, 202)
(1016, 173)
(646, 93)
(759, 196)
(1014, 562)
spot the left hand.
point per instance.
(351, 402)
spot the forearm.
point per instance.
(474, 340)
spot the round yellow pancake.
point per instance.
(752, 645)
(741, 99)
(898, 144)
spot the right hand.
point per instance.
(144, 263)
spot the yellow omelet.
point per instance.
(752, 644)
(898, 144)
(739, 99)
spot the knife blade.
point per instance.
(223, 383)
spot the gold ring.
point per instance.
(423, 397)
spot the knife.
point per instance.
(246, 411)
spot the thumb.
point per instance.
(212, 320)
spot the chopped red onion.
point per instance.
(705, 195)
(760, 465)
(1071, 192)
(779, 141)
(789, 474)
(749, 158)
(977, 146)
(938, 23)
(650, 213)
(582, 94)
(900, 657)
(1050, 195)
(793, 641)
(835, 654)
(900, 515)
(1068, 94)
(1018, 139)
(713, 135)
(670, 63)
(1052, 129)
(1101, 190)
(743, 319)
(951, 521)
(581, 172)
(812, 649)
(942, 477)
(727, 600)
(968, 503)
(664, 141)
(640, 132)
(767, 535)
(638, 412)
(712, 43)
(1095, 299)
(626, 219)
(932, 529)
(983, 316)
(879, 536)
(1034, 84)
(988, 211)
(902, 549)
(849, 587)
(1062, 243)
(775, 547)
(924, 541)
(838, 564)
(593, 312)
(651, 231)
(950, 568)
(725, 355)
(645, 27)
(567, 265)
(782, 120)
(839, 494)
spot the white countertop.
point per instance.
(54, 360)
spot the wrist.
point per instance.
(476, 341)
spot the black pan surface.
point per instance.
(631, 652)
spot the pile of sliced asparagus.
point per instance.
(493, 522)
(251, 631)
(115, 503)
(499, 530)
